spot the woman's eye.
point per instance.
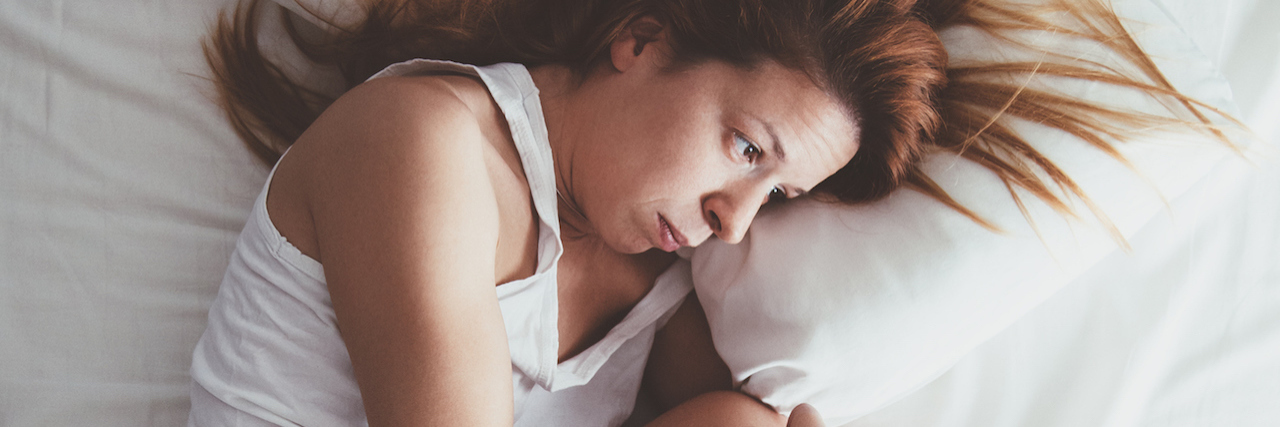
(746, 148)
(777, 195)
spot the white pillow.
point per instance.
(851, 308)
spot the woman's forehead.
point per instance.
(769, 102)
(792, 108)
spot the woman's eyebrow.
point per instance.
(777, 143)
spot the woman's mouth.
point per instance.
(670, 238)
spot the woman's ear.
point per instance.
(643, 39)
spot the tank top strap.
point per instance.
(513, 90)
(530, 306)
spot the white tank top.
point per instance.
(271, 354)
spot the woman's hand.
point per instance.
(734, 409)
(805, 416)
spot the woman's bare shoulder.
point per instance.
(402, 115)
(423, 125)
(411, 144)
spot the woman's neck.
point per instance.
(558, 94)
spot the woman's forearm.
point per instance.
(721, 408)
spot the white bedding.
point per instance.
(122, 190)
(1185, 330)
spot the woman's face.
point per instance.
(666, 159)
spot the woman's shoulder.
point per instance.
(426, 108)
(428, 125)
(412, 147)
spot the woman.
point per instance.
(605, 136)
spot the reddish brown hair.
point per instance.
(882, 58)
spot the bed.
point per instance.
(123, 188)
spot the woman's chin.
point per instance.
(637, 246)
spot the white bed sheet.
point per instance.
(122, 189)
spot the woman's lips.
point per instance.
(670, 238)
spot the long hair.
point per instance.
(882, 59)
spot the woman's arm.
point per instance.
(691, 383)
(733, 409)
(406, 226)
(720, 409)
(683, 362)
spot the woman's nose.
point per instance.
(730, 215)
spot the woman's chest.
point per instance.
(597, 288)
